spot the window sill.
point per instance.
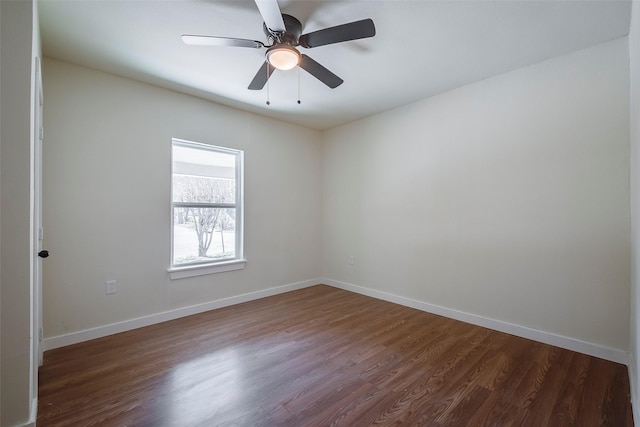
(203, 269)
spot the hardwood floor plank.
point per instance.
(596, 384)
(547, 389)
(566, 408)
(321, 356)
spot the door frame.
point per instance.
(37, 234)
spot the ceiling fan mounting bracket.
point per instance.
(290, 36)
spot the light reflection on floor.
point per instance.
(201, 388)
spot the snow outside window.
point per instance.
(206, 205)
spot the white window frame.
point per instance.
(227, 264)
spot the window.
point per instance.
(206, 205)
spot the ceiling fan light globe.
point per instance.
(283, 58)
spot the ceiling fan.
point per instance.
(284, 33)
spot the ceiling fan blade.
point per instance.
(219, 41)
(340, 33)
(261, 77)
(271, 15)
(319, 72)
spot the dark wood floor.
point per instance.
(322, 356)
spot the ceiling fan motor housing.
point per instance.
(290, 36)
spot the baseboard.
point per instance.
(607, 353)
(631, 368)
(127, 325)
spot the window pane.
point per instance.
(206, 175)
(203, 234)
(200, 189)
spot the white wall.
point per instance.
(634, 54)
(106, 198)
(15, 197)
(506, 199)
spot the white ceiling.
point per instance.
(421, 48)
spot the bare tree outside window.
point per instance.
(205, 185)
(204, 220)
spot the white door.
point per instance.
(36, 292)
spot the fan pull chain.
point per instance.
(268, 102)
(298, 85)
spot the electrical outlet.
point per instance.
(352, 260)
(110, 287)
